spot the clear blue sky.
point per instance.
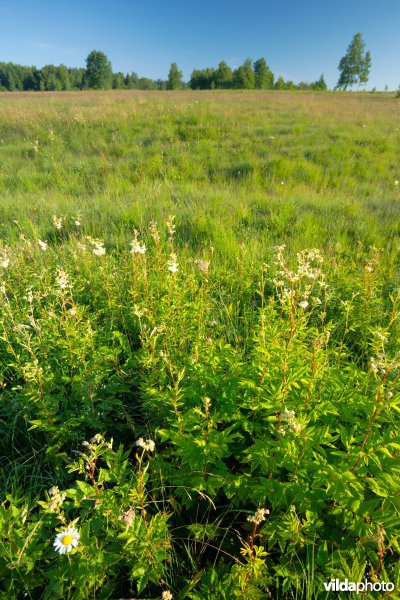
(300, 39)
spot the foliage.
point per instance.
(174, 81)
(98, 71)
(212, 406)
(354, 67)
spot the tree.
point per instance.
(320, 84)
(99, 75)
(364, 75)
(264, 78)
(354, 67)
(243, 77)
(174, 78)
(223, 75)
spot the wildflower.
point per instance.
(97, 439)
(203, 266)
(58, 221)
(62, 279)
(127, 516)
(148, 445)
(380, 336)
(98, 250)
(389, 395)
(57, 498)
(289, 422)
(43, 245)
(166, 595)
(77, 222)
(207, 403)
(282, 431)
(303, 304)
(258, 516)
(36, 146)
(66, 540)
(5, 262)
(172, 264)
(396, 182)
(137, 248)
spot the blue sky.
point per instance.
(300, 39)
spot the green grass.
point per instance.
(128, 348)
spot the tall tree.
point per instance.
(99, 75)
(264, 78)
(174, 78)
(243, 77)
(364, 75)
(223, 75)
(355, 65)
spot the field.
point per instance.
(199, 344)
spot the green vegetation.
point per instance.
(203, 405)
(355, 66)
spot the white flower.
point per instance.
(396, 182)
(58, 222)
(172, 264)
(148, 445)
(77, 223)
(137, 248)
(166, 595)
(5, 262)
(66, 540)
(203, 266)
(62, 279)
(43, 245)
(98, 250)
(303, 304)
(259, 516)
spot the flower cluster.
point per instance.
(147, 445)
(58, 222)
(259, 516)
(136, 246)
(97, 246)
(56, 498)
(287, 417)
(62, 279)
(172, 264)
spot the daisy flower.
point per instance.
(66, 540)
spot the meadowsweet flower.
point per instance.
(303, 304)
(58, 222)
(62, 279)
(56, 498)
(203, 266)
(147, 445)
(98, 250)
(166, 595)
(289, 423)
(66, 540)
(389, 395)
(207, 403)
(127, 516)
(43, 245)
(5, 262)
(137, 248)
(35, 146)
(172, 264)
(259, 516)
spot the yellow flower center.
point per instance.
(67, 539)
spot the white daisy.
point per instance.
(66, 540)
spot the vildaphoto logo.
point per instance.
(335, 585)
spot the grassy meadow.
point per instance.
(199, 344)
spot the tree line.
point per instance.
(354, 69)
